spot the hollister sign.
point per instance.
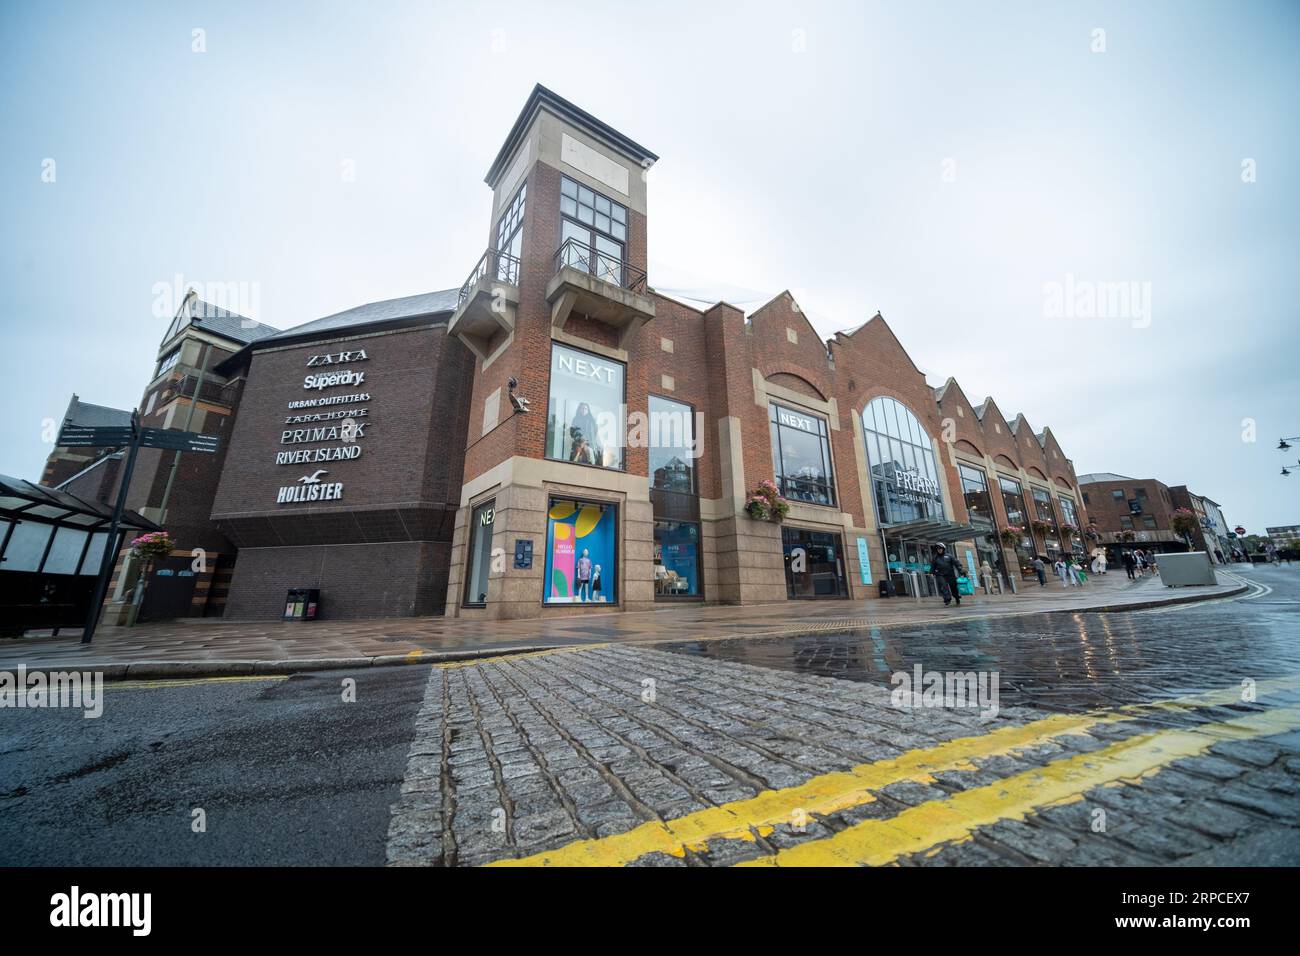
(310, 488)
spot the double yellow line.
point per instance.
(918, 828)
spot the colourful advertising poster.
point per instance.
(970, 563)
(580, 559)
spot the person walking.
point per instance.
(944, 569)
(1129, 563)
(1080, 574)
(1063, 572)
(1040, 570)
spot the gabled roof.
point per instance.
(84, 413)
(216, 320)
(372, 313)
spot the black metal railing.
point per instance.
(499, 266)
(602, 265)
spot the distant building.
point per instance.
(1137, 512)
(172, 489)
(1283, 535)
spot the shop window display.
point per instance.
(581, 553)
(677, 547)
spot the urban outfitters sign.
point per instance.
(343, 423)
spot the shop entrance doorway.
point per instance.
(814, 564)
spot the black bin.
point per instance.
(300, 604)
(886, 587)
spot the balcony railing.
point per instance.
(498, 266)
(602, 265)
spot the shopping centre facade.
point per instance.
(555, 437)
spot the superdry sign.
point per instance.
(330, 379)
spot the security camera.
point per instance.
(518, 401)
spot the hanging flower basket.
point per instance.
(155, 544)
(1042, 527)
(1069, 530)
(765, 503)
(1011, 534)
(1185, 524)
(1092, 533)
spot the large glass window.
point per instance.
(510, 237)
(1043, 505)
(677, 559)
(1067, 511)
(814, 564)
(975, 489)
(168, 361)
(481, 521)
(581, 553)
(904, 470)
(801, 455)
(1013, 502)
(586, 415)
(672, 446)
(597, 227)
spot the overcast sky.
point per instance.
(942, 163)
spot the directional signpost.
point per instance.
(133, 437)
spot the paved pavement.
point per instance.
(207, 645)
(1175, 740)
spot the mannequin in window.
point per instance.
(583, 574)
(582, 432)
(595, 584)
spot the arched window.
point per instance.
(904, 470)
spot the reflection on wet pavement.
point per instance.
(1058, 662)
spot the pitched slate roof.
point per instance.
(232, 325)
(212, 318)
(387, 310)
(84, 413)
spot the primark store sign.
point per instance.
(332, 423)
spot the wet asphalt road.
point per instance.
(288, 773)
(1064, 662)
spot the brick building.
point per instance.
(557, 437)
(1211, 533)
(344, 468)
(1131, 511)
(172, 489)
(650, 422)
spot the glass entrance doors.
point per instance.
(814, 564)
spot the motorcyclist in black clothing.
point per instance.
(944, 569)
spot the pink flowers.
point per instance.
(155, 544)
(765, 502)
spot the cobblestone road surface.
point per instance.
(1120, 739)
